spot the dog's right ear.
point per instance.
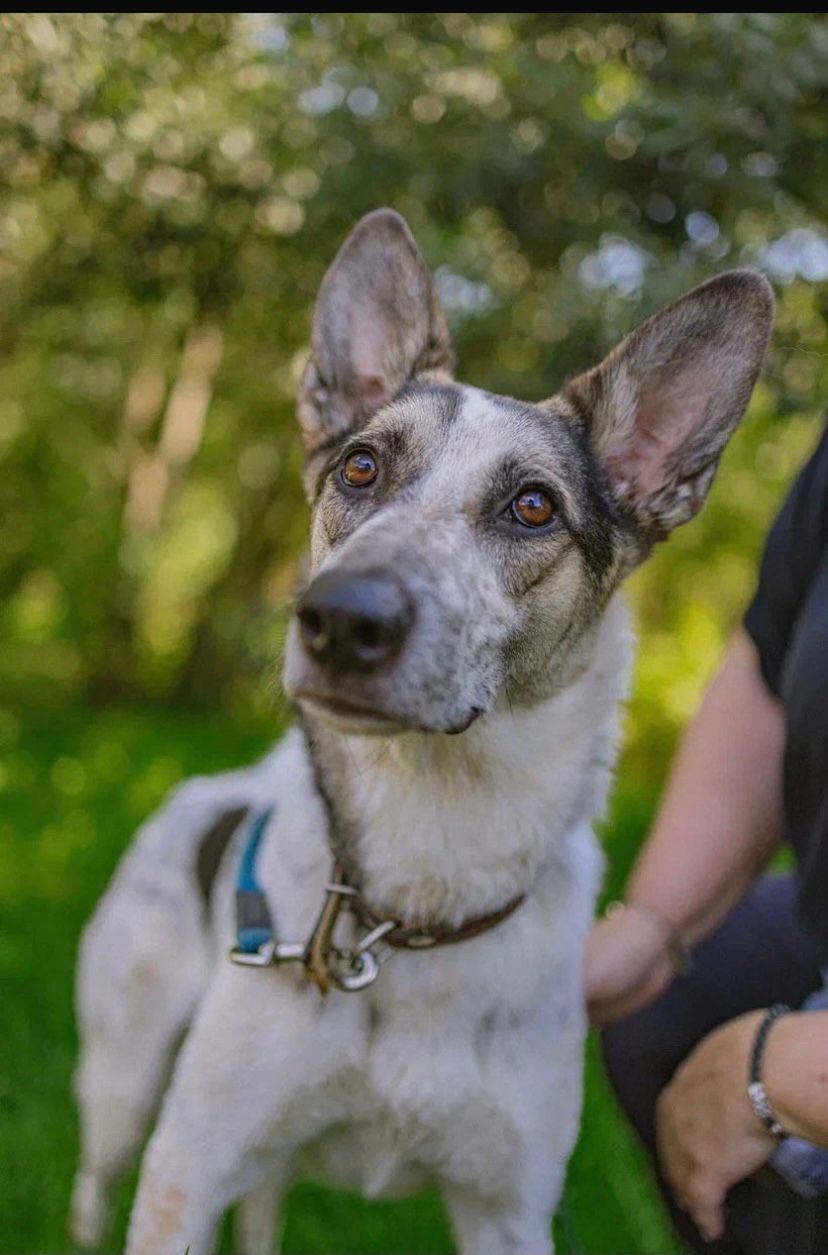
(377, 324)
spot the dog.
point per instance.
(458, 656)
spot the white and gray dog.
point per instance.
(458, 657)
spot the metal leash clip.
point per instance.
(325, 963)
(357, 968)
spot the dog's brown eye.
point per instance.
(533, 508)
(359, 469)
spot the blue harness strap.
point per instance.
(254, 925)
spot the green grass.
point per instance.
(75, 785)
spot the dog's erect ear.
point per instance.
(662, 406)
(377, 324)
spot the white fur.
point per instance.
(462, 1065)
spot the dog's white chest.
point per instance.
(422, 1106)
(449, 1061)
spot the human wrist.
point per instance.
(794, 1075)
(626, 966)
(765, 1110)
(670, 946)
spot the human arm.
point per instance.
(722, 811)
(719, 822)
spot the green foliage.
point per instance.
(174, 186)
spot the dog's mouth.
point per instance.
(346, 715)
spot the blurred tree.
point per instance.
(174, 187)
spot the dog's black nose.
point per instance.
(354, 622)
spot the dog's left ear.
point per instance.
(662, 406)
(377, 324)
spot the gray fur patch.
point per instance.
(213, 846)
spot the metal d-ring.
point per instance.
(358, 968)
(362, 970)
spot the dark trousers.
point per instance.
(757, 957)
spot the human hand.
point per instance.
(708, 1135)
(627, 964)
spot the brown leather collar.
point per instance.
(320, 950)
(416, 937)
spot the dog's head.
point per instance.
(464, 545)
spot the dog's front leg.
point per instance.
(247, 1092)
(502, 1192)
